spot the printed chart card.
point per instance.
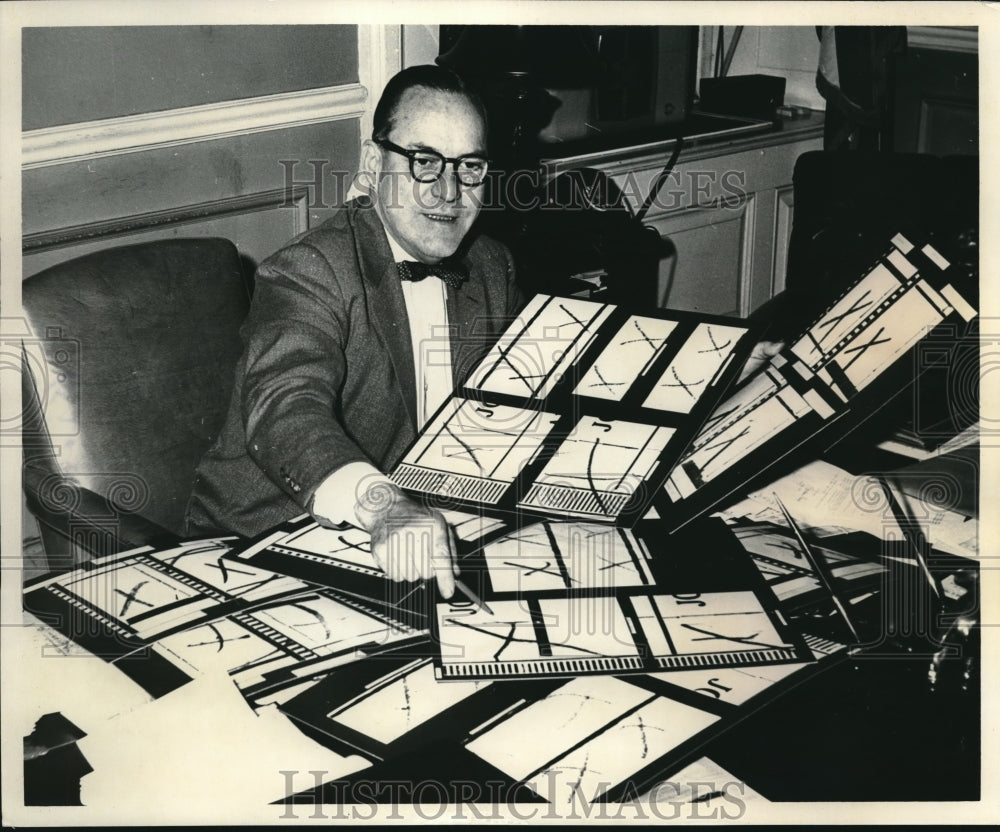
(830, 372)
(567, 598)
(554, 555)
(579, 410)
(389, 708)
(119, 604)
(588, 736)
(304, 549)
(608, 634)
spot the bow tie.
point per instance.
(451, 274)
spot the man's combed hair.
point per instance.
(426, 76)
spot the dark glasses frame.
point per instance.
(470, 179)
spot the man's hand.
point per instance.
(762, 352)
(409, 541)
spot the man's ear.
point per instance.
(371, 161)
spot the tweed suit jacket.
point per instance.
(327, 373)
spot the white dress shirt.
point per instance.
(426, 307)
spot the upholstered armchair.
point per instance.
(127, 375)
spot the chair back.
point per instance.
(130, 365)
(849, 204)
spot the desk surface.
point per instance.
(848, 728)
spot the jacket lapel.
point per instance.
(466, 305)
(386, 306)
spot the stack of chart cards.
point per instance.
(285, 643)
(777, 554)
(579, 410)
(858, 571)
(827, 374)
(572, 705)
(164, 617)
(572, 599)
(116, 605)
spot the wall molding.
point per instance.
(946, 38)
(380, 48)
(204, 122)
(784, 201)
(748, 242)
(297, 198)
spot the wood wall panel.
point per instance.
(107, 194)
(82, 73)
(709, 272)
(259, 224)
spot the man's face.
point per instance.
(428, 219)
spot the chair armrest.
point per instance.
(87, 523)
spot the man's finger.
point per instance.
(444, 560)
(762, 352)
(454, 552)
(379, 553)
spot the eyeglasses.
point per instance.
(428, 165)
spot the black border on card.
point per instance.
(315, 709)
(706, 557)
(566, 407)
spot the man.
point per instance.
(343, 361)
